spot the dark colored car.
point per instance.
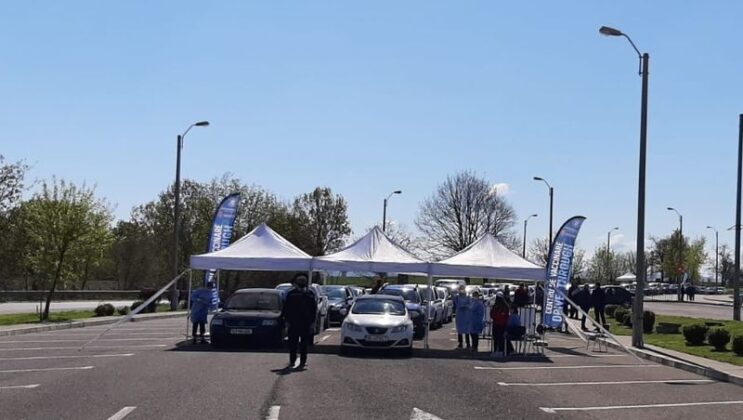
(249, 316)
(340, 299)
(618, 295)
(414, 303)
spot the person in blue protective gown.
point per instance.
(201, 300)
(463, 316)
(477, 319)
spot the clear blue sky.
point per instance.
(368, 97)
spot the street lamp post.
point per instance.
(717, 253)
(608, 239)
(523, 252)
(176, 211)
(736, 275)
(638, 304)
(681, 248)
(552, 195)
(608, 255)
(384, 210)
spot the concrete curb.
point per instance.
(690, 303)
(11, 331)
(681, 364)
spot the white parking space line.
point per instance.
(82, 356)
(668, 381)
(273, 412)
(332, 329)
(324, 338)
(32, 386)
(78, 341)
(47, 369)
(564, 367)
(77, 348)
(627, 407)
(122, 413)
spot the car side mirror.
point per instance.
(343, 311)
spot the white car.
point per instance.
(378, 322)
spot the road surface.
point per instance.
(145, 370)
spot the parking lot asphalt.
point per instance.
(145, 370)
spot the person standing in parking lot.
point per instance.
(299, 311)
(598, 300)
(201, 299)
(463, 316)
(477, 319)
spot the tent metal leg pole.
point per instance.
(428, 310)
(188, 302)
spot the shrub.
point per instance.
(619, 314)
(610, 309)
(105, 309)
(648, 321)
(695, 334)
(136, 304)
(627, 320)
(738, 345)
(123, 310)
(719, 338)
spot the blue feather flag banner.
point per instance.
(559, 270)
(220, 235)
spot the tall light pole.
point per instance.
(638, 304)
(681, 247)
(523, 252)
(736, 275)
(552, 195)
(384, 210)
(608, 239)
(717, 252)
(608, 255)
(177, 210)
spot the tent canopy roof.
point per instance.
(261, 249)
(374, 252)
(627, 276)
(489, 258)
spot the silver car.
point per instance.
(447, 302)
(436, 305)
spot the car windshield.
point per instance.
(426, 294)
(335, 293)
(284, 287)
(379, 306)
(254, 302)
(408, 295)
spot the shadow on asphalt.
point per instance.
(334, 349)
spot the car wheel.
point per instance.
(326, 323)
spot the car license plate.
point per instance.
(241, 331)
(376, 338)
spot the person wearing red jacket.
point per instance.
(499, 315)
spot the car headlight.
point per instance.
(217, 321)
(400, 328)
(352, 327)
(269, 322)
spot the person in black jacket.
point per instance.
(571, 294)
(584, 301)
(299, 311)
(598, 301)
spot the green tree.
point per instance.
(605, 266)
(675, 255)
(319, 221)
(62, 222)
(12, 185)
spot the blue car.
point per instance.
(413, 302)
(249, 316)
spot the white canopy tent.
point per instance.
(488, 258)
(261, 250)
(374, 252)
(626, 277)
